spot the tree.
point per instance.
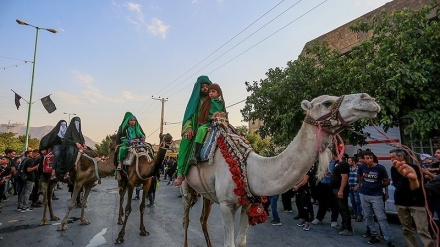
(8, 140)
(261, 146)
(402, 64)
(399, 65)
(103, 147)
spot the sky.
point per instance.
(110, 57)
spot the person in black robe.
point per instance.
(53, 141)
(73, 142)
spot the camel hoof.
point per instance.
(54, 218)
(85, 222)
(144, 233)
(44, 222)
(62, 227)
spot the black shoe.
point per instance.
(54, 198)
(373, 240)
(390, 244)
(297, 217)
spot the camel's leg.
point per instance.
(146, 187)
(188, 195)
(228, 212)
(76, 190)
(121, 235)
(122, 191)
(45, 186)
(87, 188)
(207, 205)
(49, 193)
(244, 223)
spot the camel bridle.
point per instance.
(324, 122)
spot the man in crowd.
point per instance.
(409, 199)
(339, 180)
(373, 178)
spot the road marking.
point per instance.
(98, 239)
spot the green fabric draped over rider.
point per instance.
(192, 122)
(130, 132)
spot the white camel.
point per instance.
(325, 117)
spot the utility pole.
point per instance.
(162, 113)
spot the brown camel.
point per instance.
(86, 176)
(139, 172)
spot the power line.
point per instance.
(17, 59)
(227, 42)
(236, 103)
(268, 36)
(253, 45)
(15, 65)
(276, 17)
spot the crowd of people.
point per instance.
(363, 181)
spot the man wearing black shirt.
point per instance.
(339, 180)
(409, 199)
(28, 168)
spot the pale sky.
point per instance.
(110, 57)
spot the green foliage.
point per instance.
(103, 147)
(261, 146)
(399, 65)
(8, 140)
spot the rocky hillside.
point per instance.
(39, 132)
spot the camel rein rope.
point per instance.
(95, 162)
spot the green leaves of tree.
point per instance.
(399, 65)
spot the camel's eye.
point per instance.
(327, 103)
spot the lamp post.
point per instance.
(73, 114)
(21, 22)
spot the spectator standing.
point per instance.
(273, 206)
(29, 168)
(286, 199)
(304, 200)
(435, 165)
(5, 172)
(353, 190)
(171, 170)
(340, 190)
(373, 178)
(409, 200)
(326, 198)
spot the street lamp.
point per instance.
(21, 22)
(73, 114)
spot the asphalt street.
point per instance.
(164, 223)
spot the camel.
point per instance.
(325, 117)
(89, 170)
(87, 176)
(139, 172)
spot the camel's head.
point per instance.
(166, 140)
(335, 112)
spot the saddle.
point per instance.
(220, 126)
(136, 150)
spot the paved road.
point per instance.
(162, 221)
